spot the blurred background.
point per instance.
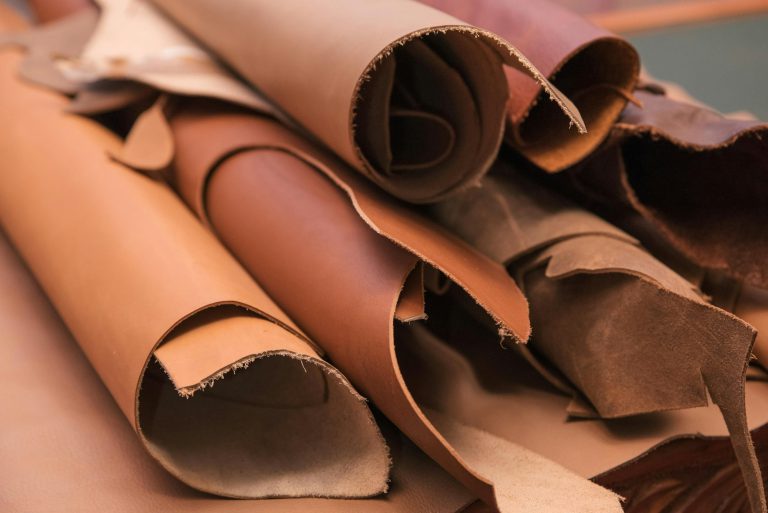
(715, 49)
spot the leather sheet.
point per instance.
(680, 460)
(150, 296)
(299, 220)
(596, 69)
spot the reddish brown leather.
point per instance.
(596, 69)
(67, 447)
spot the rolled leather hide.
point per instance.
(596, 69)
(165, 315)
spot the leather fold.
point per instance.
(696, 179)
(596, 69)
(298, 219)
(626, 331)
(163, 311)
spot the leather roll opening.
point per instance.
(599, 80)
(428, 118)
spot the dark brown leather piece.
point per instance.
(698, 178)
(596, 69)
(67, 446)
(284, 209)
(629, 333)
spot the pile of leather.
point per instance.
(371, 256)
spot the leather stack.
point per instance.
(371, 256)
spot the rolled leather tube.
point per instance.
(347, 260)
(673, 461)
(626, 331)
(596, 69)
(409, 96)
(163, 312)
(694, 176)
(82, 456)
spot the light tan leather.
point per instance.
(300, 221)
(128, 268)
(596, 69)
(629, 333)
(66, 440)
(362, 75)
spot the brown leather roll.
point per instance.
(409, 96)
(67, 446)
(596, 69)
(346, 261)
(166, 316)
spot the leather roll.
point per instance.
(166, 316)
(67, 440)
(350, 264)
(596, 69)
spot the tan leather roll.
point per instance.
(596, 69)
(163, 312)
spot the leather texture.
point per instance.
(696, 177)
(131, 274)
(625, 330)
(596, 69)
